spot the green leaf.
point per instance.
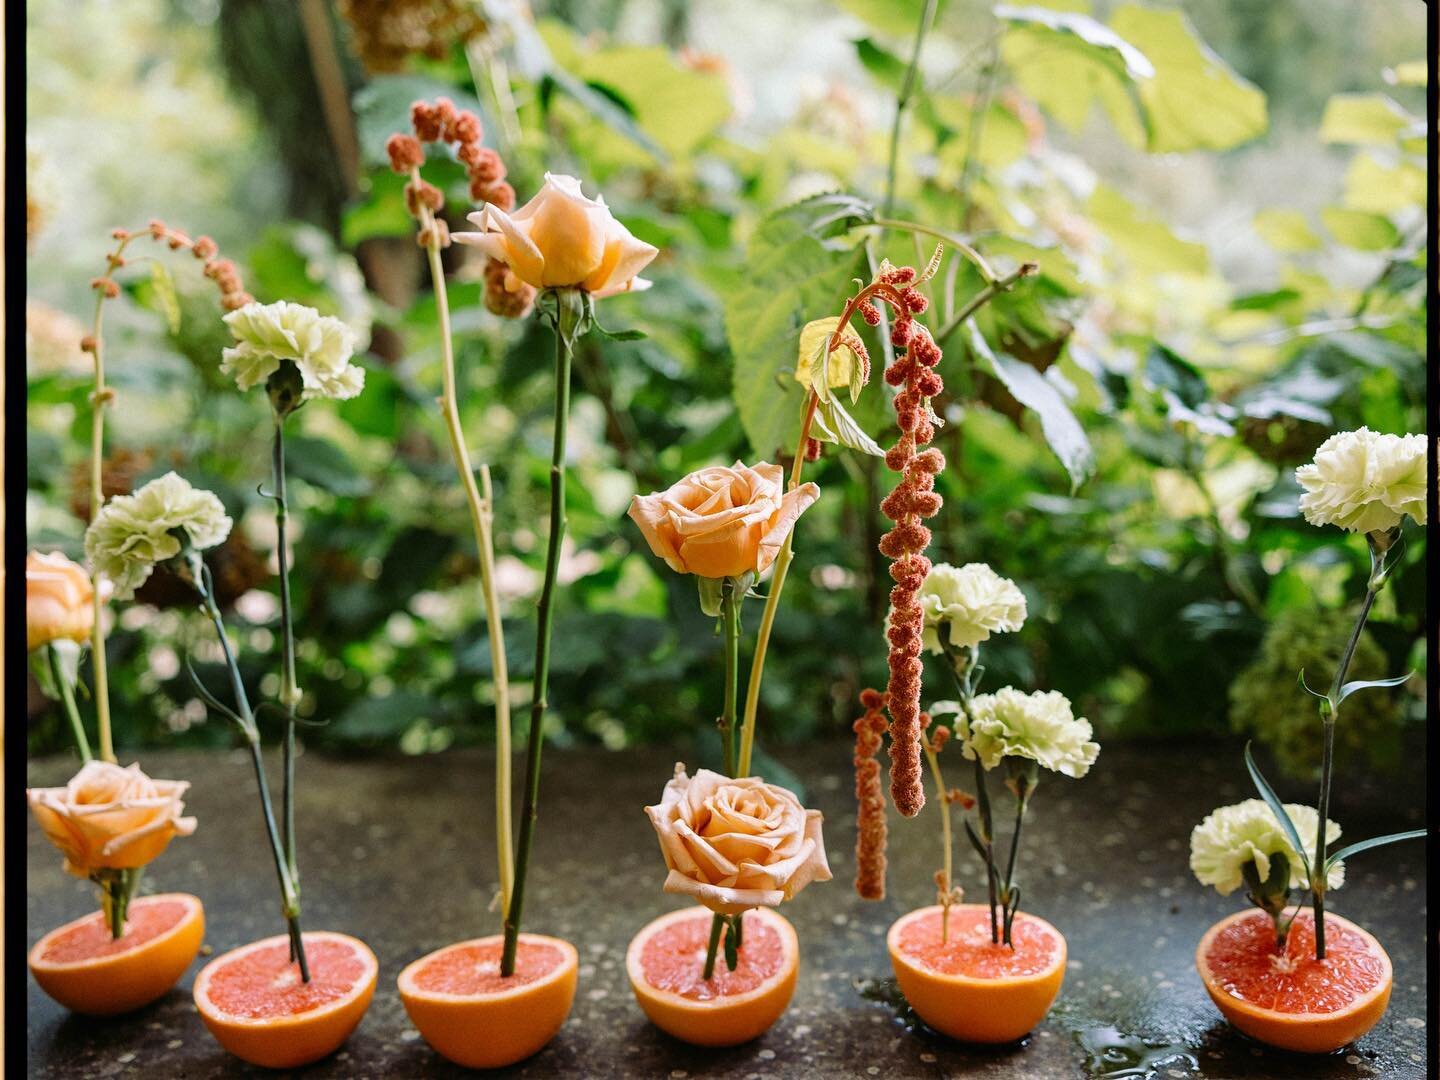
(1194, 101)
(1276, 806)
(1165, 369)
(833, 424)
(1363, 119)
(1359, 230)
(1145, 244)
(1365, 684)
(884, 67)
(322, 463)
(1383, 189)
(383, 718)
(824, 216)
(380, 212)
(1062, 431)
(1374, 842)
(165, 298)
(1409, 73)
(1286, 230)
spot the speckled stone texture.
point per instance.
(398, 851)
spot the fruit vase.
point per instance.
(666, 962)
(85, 969)
(1310, 1006)
(471, 1014)
(256, 1005)
(964, 985)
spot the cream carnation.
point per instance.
(968, 603)
(1038, 726)
(1364, 481)
(319, 345)
(1249, 831)
(132, 533)
(736, 844)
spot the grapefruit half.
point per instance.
(666, 965)
(968, 987)
(477, 1018)
(253, 1000)
(1291, 1000)
(83, 968)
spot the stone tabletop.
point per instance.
(399, 851)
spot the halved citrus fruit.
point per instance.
(256, 1005)
(83, 968)
(1291, 1000)
(468, 1012)
(666, 965)
(967, 986)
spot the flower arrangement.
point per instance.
(1362, 482)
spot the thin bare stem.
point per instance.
(902, 102)
(941, 794)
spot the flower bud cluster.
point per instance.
(221, 271)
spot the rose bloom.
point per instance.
(59, 601)
(1249, 831)
(562, 239)
(1364, 481)
(737, 844)
(967, 604)
(722, 522)
(110, 818)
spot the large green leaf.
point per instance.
(1145, 244)
(1369, 119)
(1194, 101)
(1062, 431)
(1378, 188)
(1360, 230)
(1286, 230)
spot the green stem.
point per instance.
(942, 796)
(730, 603)
(987, 835)
(907, 88)
(1022, 798)
(290, 902)
(1329, 709)
(983, 297)
(569, 317)
(716, 925)
(67, 698)
(289, 690)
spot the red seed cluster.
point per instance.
(221, 271)
(870, 794)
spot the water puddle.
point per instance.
(1112, 1054)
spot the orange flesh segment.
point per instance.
(673, 959)
(91, 940)
(969, 950)
(263, 983)
(1243, 961)
(475, 969)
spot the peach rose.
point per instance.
(720, 522)
(110, 818)
(59, 602)
(562, 239)
(737, 844)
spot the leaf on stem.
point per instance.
(1364, 684)
(1373, 842)
(1276, 807)
(210, 700)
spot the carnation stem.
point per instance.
(942, 795)
(67, 698)
(1007, 894)
(289, 690)
(1329, 708)
(289, 898)
(481, 519)
(570, 317)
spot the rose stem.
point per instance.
(200, 576)
(98, 400)
(730, 602)
(289, 690)
(941, 795)
(570, 315)
(481, 517)
(1328, 709)
(67, 698)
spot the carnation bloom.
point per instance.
(320, 346)
(1364, 481)
(1038, 726)
(132, 533)
(737, 844)
(561, 239)
(59, 601)
(968, 604)
(722, 522)
(109, 818)
(1249, 832)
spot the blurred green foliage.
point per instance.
(1122, 428)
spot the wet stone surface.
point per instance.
(399, 851)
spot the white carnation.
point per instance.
(1364, 481)
(319, 345)
(1039, 726)
(969, 603)
(1249, 831)
(133, 533)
